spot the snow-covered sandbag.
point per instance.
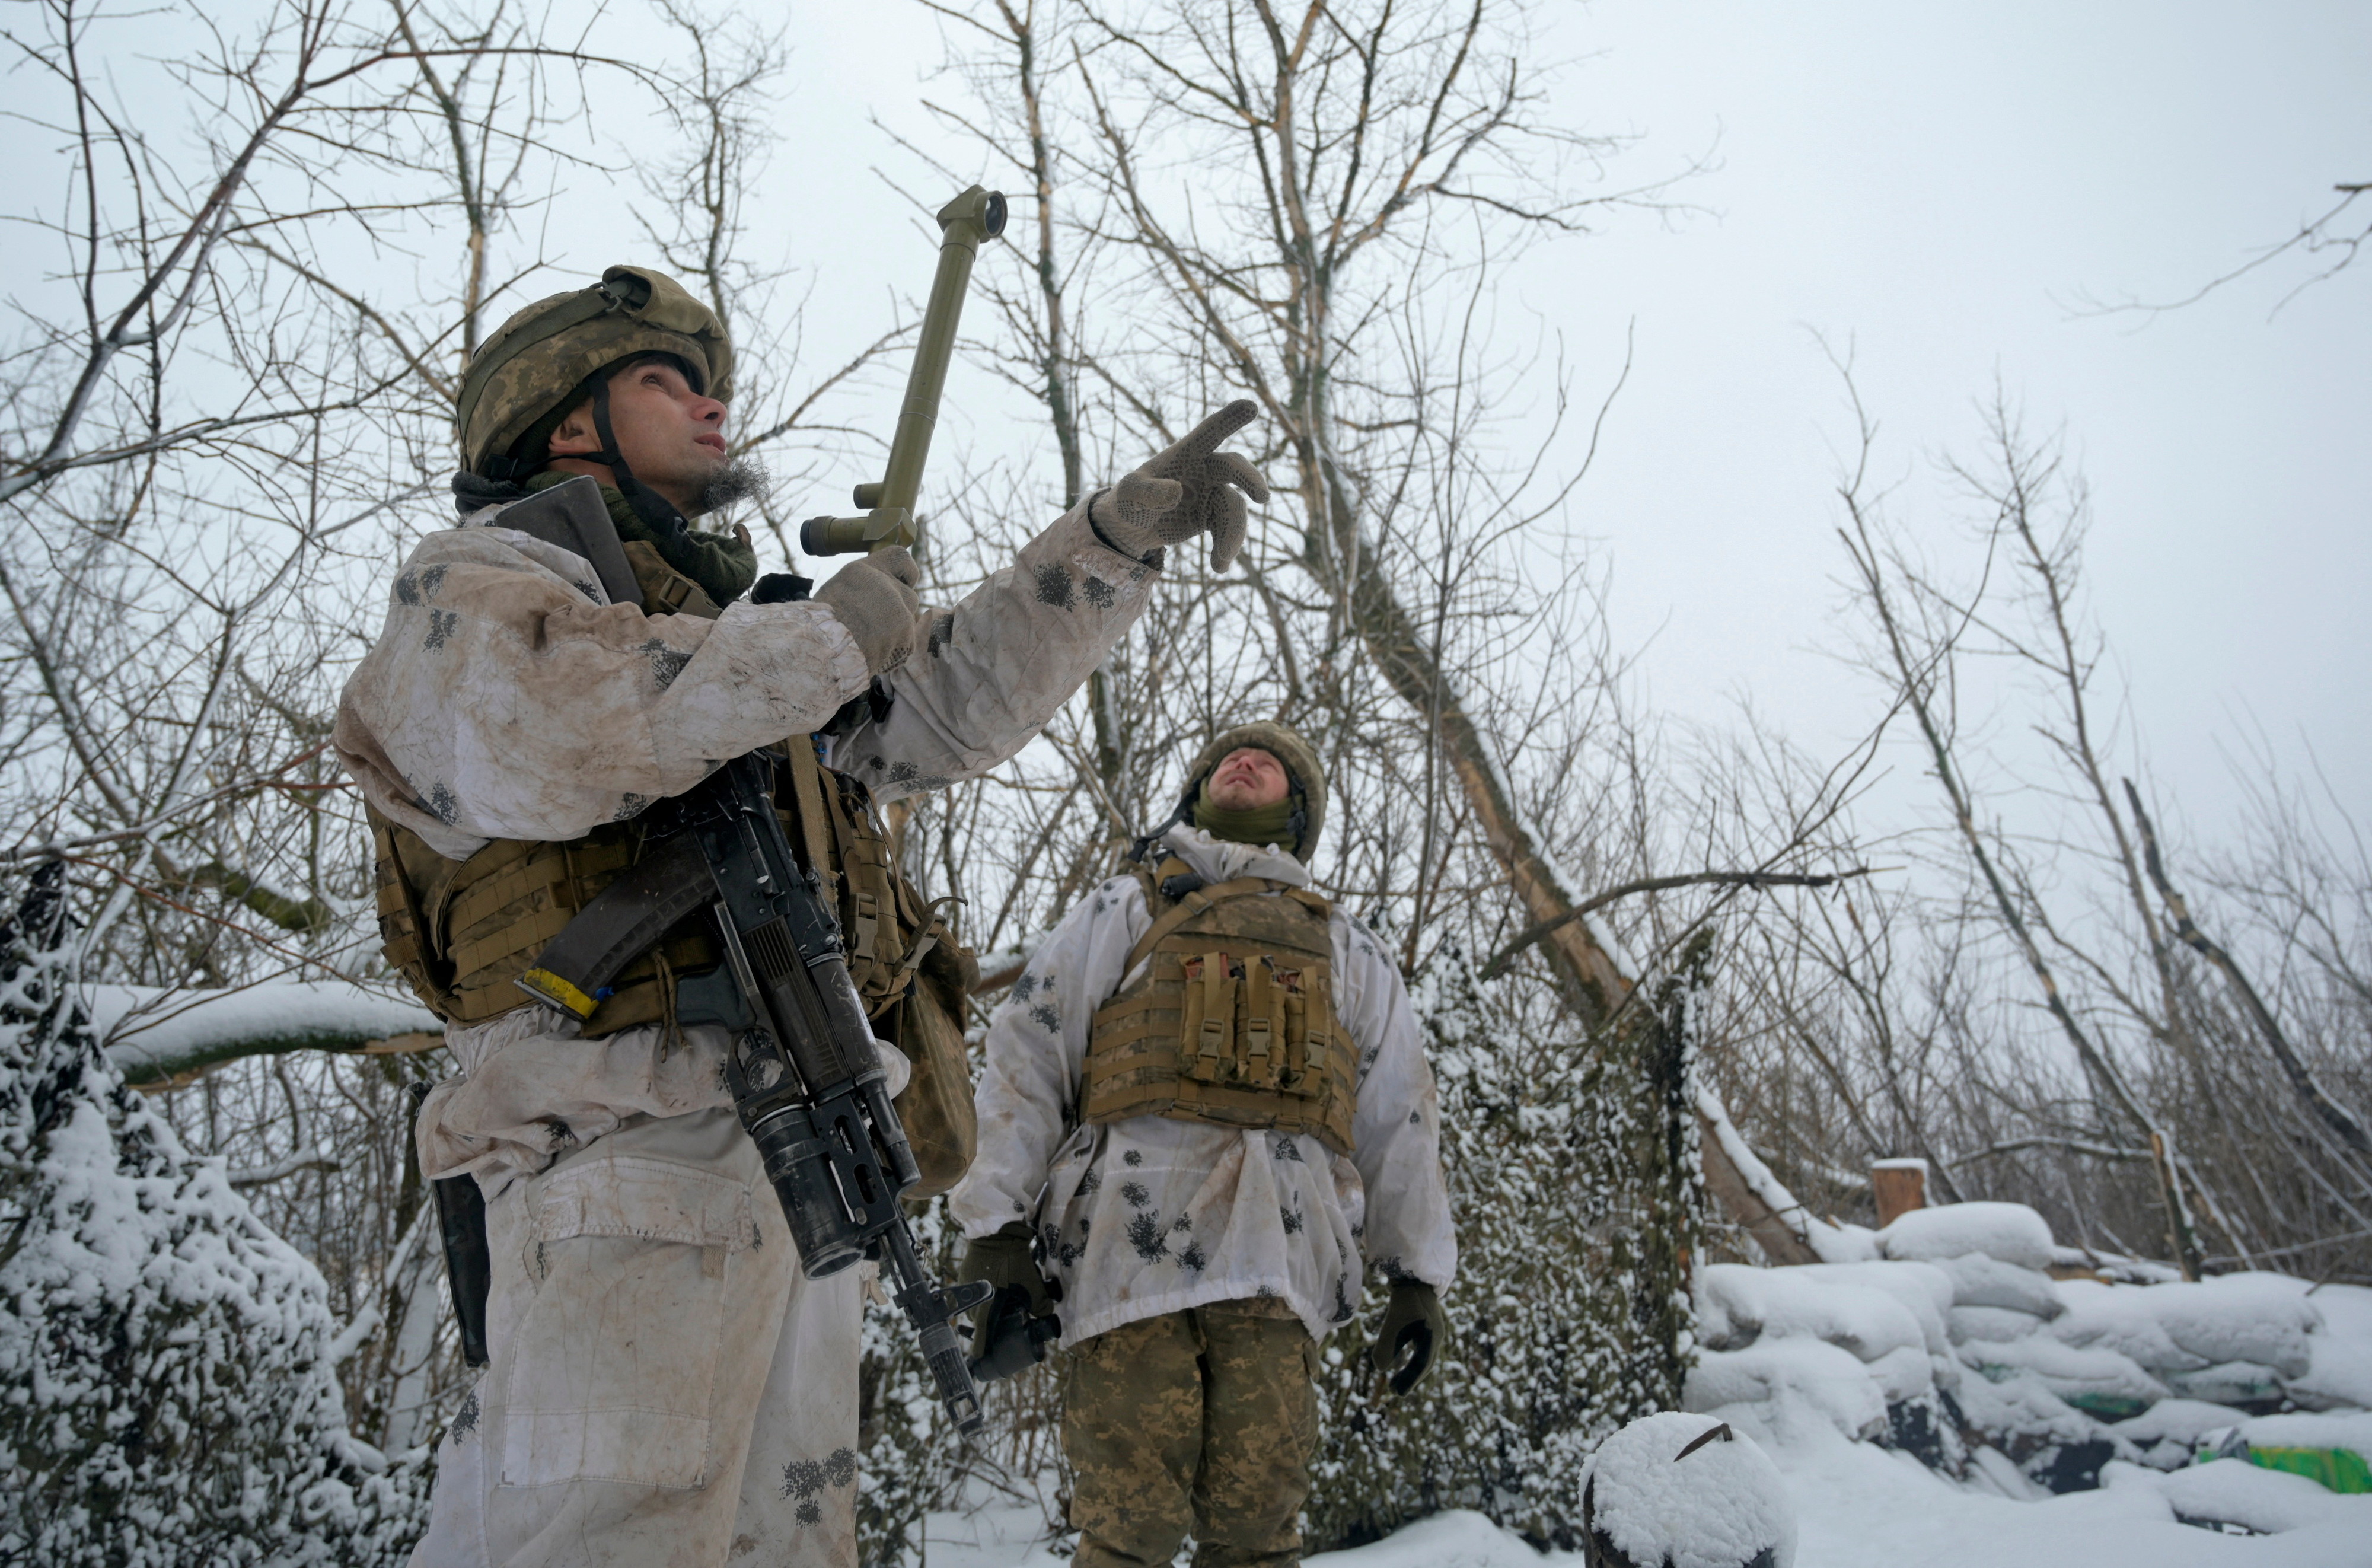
(2053, 1444)
(1675, 1490)
(1739, 1306)
(2010, 1232)
(2107, 1315)
(1989, 1323)
(1980, 1281)
(2259, 1318)
(1904, 1373)
(2022, 1412)
(1775, 1381)
(2177, 1421)
(2098, 1382)
(1923, 1288)
(2310, 1429)
(2229, 1383)
(2340, 1376)
(2233, 1492)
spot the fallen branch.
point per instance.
(2071, 1145)
(2341, 1121)
(262, 1176)
(1539, 929)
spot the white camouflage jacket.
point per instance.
(506, 698)
(1151, 1215)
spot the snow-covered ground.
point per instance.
(1861, 1507)
(1932, 1396)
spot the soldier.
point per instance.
(664, 1386)
(1204, 1104)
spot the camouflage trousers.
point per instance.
(1201, 1420)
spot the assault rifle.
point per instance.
(804, 1069)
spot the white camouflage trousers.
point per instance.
(665, 1388)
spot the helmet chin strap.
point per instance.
(655, 509)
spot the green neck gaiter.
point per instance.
(719, 563)
(1260, 827)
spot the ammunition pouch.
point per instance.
(1233, 1023)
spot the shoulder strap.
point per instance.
(1316, 903)
(1190, 906)
(807, 789)
(422, 969)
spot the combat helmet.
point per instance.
(1305, 778)
(540, 360)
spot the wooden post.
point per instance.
(1899, 1186)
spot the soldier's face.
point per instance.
(671, 437)
(1247, 778)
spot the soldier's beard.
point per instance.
(741, 478)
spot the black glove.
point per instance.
(1004, 1261)
(874, 597)
(1189, 489)
(1415, 1323)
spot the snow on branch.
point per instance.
(264, 1175)
(155, 1035)
(1799, 1235)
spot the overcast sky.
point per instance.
(1944, 186)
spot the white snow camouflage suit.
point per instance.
(664, 1387)
(1243, 1213)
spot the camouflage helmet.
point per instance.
(1305, 775)
(539, 357)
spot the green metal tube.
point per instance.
(888, 520)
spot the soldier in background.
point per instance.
(664, 1387)
(1205, 1108)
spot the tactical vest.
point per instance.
(460, 932)
(1234, 1022)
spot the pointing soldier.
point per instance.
(1204, 1109)
(664, 1386)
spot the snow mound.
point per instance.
(2011, 1233)
(1676, 1490)
(1454, 1538)
(2264, 1320)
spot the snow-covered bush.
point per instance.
(170, 1395)
(1573, 1175)
(904, 1439)
(1675, 1490)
